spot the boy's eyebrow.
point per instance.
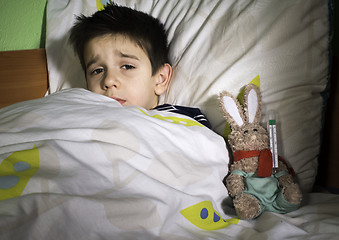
(92, 61)
(125, 55)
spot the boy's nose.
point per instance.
(111, 81)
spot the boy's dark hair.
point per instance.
(148, 32)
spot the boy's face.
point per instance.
(118, 68)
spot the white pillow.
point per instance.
(223, 45)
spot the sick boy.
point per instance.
(124, 54)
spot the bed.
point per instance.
(76, 165)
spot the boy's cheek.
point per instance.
(90, 86)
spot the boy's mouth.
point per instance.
(121, 101)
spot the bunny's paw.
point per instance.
(247, 206)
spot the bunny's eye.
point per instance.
(255, 130)
(246, 131)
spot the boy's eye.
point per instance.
(97, 71)
(127, 67)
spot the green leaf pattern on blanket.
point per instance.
(205, 217)
(16, 170)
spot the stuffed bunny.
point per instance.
(252, 184)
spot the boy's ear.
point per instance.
(163, 78)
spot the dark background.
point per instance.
(328, 174)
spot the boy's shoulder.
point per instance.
(194, 113)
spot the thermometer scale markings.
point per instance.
(273, 141)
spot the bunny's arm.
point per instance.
(234, 182)
(290, 189)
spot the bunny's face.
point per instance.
(247, 134)
(248, 137)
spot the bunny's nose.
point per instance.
(253, 138)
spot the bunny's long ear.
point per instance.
(231, 109)
(252, 104)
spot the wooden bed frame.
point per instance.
(24, 76)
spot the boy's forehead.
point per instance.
(119, 45)
(124, 43)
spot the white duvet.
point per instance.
(79, 162)
(77, 165)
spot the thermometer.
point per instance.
(272, 129)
